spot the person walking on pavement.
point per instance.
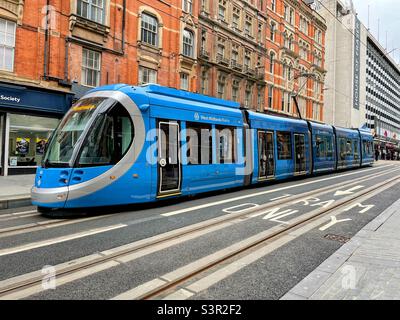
(376, 154)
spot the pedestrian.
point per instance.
(376, 154)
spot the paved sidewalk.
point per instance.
(17, 185)
(365, 268)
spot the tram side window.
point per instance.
(356, 152)
(109, 139)
(284, 140)
(349, 148)
(367, 147)
(329, 146)
(321, 146)
(226, 144)
(342, 148)
(199, 143)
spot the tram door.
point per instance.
(169, 162)
(266, 155)
(300, 153)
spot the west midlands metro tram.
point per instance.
(122, 144)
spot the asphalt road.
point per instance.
(49, 242)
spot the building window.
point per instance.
(187, 6)
(222, 9)
(272, 36)
(273, 5)
(248, 95)
(247, 59)
(270, 96)
(91, 68)
(221, 86)
(184, 81)
(235, 90)
(236, 18)
(271, 62)
(248, 26)
(284, 145)
(147, 75)
(291, 16)
(149, 33)
(188, 41)
(91, 9)
(204, 82)
(260, 99)
(7, 44)
(259, 34)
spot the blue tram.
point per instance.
(121, 144)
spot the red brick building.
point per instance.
(296, 51)
(52, 51)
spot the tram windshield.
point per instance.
(61, 146)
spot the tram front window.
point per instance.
(109, 139)
(61, 146)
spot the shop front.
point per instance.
(28, 117)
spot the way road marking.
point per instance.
(347, 192)
(247, 205)
(366, 207)
(333, 221)
(172, 213)
(49, 242)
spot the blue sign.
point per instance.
(20, 97)
(357, 52)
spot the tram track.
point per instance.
(173, 284)
(25, 285)
(43, 225)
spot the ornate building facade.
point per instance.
(260, 53)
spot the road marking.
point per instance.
(282, 197)
(60, 281)
(140, 290)
(249, 205)
(172, 213)
(306, 201)
(45, 243)
(366, 208)
(347, 192)
(323, 204)
(333, 221)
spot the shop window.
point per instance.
(199, 143)
(284, 140)
(28, 138)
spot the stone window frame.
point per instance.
(9, 46)
(181, 77)
(85, 68)
(150, 11)
(145, 68)
(193, 45)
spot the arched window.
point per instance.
(188, 42)
(149, 29)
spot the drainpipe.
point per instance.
(123, 26)
(66, 59)
(46, 42)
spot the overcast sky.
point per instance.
(388, 11)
